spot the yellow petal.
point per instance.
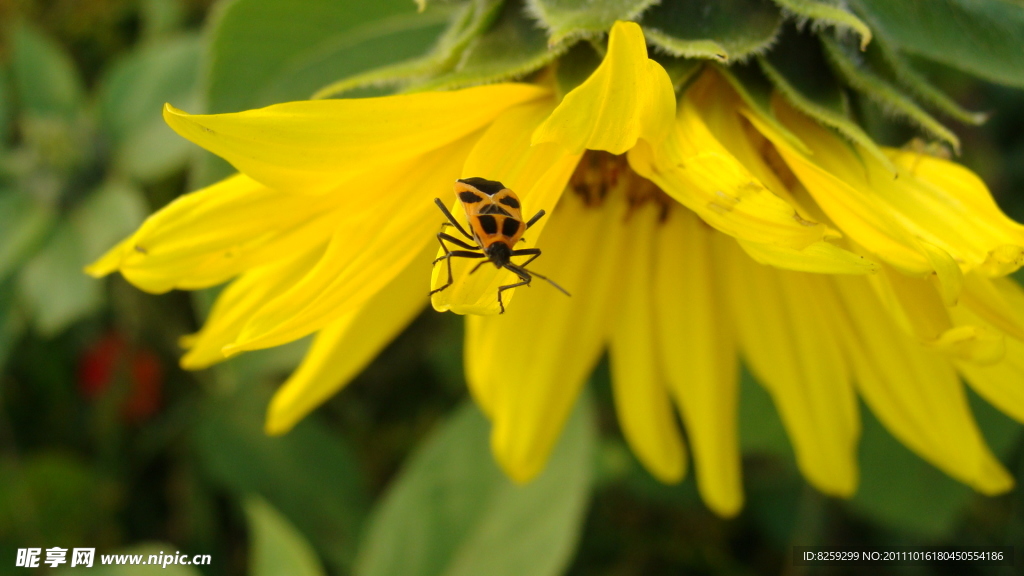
(785, 336)
(364, 255)
(916, 306)
(999, 301)
(313, 146)
(1001, 384)
(642, 402)
(914, 391)
(702, 175)
(206, 237)
(954, 203)
(239, 301)
(627, 97)
(537, 174)
(831, 176)
(697, 353)
(526, 367)
(111, 261)
(929, 209)
(819, 258)
(343, 348)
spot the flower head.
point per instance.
(691, 231)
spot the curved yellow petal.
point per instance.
(639, 388)
(237, 303)
(914, 391)
(697, 353)
(206, 237)
(627, 97)
(537, 174)
(526, 367)
(1001, 384)
(782, 321)
(929, 217)
(819, 258)
(916, 306)
(110, 262)
(343, 348)
(999, 301)
(313, 146)
(705, 177)
(364, 255)
(951, 202)
(831, 176)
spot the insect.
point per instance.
(496, 220)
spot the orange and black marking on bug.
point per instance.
(496, 219)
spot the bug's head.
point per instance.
(499, 253)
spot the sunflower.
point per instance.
(692, 231)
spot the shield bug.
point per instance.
(496, 221)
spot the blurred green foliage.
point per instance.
(105, 443)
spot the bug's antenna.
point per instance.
(519, 270)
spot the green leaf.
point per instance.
(471, 21)
(789, 66)
(512, 48)
(49, 496)
(903, 491)
(583, 18)
(276, 547)
(829, 13)
(761, 429)
(862, 78)
(45, 78)
(6, 107)
(721, 30)
(53, 286)
(266, 51)
(11, 323)
(161, 17)
(980, 37)
(452, 512)
(131, 100)
(24, 224)
(309, 474)
(143, 552)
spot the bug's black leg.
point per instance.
(449, 254)
(441, 237)
(533, 220)
(523, 282)
(525, 274)
(448, 258)
(477, 267)
(532, 252)
(452, 219)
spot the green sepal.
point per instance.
(819, 95)
(575, 66)
(829, 14)
(902, 72)
(681, 71)
(511, 49)
(724, 30)
(860, 77)
(565, 19)
(466, 24)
